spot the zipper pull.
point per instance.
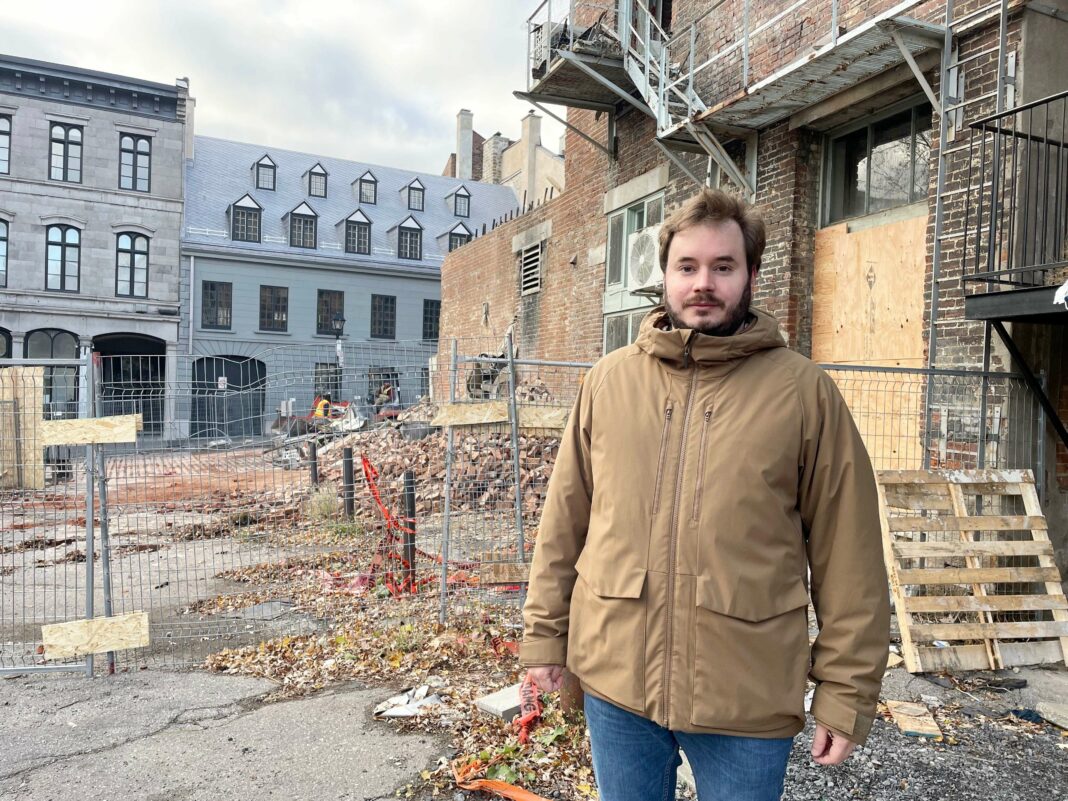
(668, 411)
(708, 415)
(686, 356)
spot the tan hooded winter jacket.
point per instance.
(700, 482)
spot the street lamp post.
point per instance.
(338, 326)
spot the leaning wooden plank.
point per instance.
(904, 617)
(991, 477)
(953, 658)
(920, 550)
(929, 632)
(914, 720)
(79, 637)
(967, 523)
(988, 603)
(1040, 652)
(1053, 586)
(960, 509)
(24, 388)
(91, 431)
(985, 575)
(903, 496)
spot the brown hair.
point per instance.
(712, 206)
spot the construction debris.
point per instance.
(914, 720)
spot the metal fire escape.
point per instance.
(610, 56)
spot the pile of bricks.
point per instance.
(482, 468)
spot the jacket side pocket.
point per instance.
(669, 409)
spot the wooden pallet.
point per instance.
(971, 567)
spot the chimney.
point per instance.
(531, 141)
(464, 143)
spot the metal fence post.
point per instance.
(313, 462)
(449, 441)
(348, 489)
(90, 466)
(513, 421)
(105, 543)
(409, 535)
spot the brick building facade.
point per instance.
(850, 261)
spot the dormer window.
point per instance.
(461, 202)
(459, 236)
(317, 181)
(358, 233)
(368, 189)
(415, 195)
(245, 216)
(302, 226)
(410, 240)
(265, 174)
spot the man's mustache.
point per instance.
(703, 299)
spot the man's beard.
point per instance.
(736, 316)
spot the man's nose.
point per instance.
(704, 280)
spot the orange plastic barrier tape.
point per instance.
(495, 786)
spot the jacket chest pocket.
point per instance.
(751, 656)
(702, 447)
(661, 460)
(606, 631)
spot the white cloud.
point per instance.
(363, 79)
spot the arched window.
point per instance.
(64, 258)
(131, 266)
(5, 344)
(3, 253)
(135, 160)
(60, 383)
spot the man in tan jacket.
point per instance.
(708, 483)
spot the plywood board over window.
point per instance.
(867, 300)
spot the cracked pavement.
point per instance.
(187, 736)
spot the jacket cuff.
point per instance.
(551, 651)
(839, 717)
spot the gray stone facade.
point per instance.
(36, 96)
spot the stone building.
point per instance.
(279, 247)
(895, 240)
(91, 186)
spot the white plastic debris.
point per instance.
(407, 704)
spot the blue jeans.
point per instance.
(634, 759)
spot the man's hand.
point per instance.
(549, 678)
(828, 748)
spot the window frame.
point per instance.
(66, 144)
(258, 213)
(459, 241)
(132, 267)
(216, 286)
(431, 324)
(456, 205)
(373, 184)
(137, 140)
(324, 326)
(280, 301)
(383, 316)
(829, 186)
(295, 219)
(313, 174)
(5, 143)
(412, 190)
(273, 170)
(418, 234)
(353, 231)
(629, 214)
(64, 246)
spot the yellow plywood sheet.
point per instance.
(21, 451)
(491, 573)
(914, 719)
(867, 301)
(91, 431)
(80, 637)
(496, 412)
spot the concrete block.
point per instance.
(503, 704)
(1057, 714)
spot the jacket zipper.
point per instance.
(674, 540)
(663, 452)
(696, 513)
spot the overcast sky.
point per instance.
(378, 81)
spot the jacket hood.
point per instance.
(657, 338)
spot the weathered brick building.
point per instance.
(893, 222)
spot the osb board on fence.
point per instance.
(888, 411)
(974, 581)
(95, 636)
(867, 296)
(495, 573)
(21, 414)
(91, 431)
(496, 412)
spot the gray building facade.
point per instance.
(278, 247)
(91, 188)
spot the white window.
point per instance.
(621, 330)
(623, 223)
